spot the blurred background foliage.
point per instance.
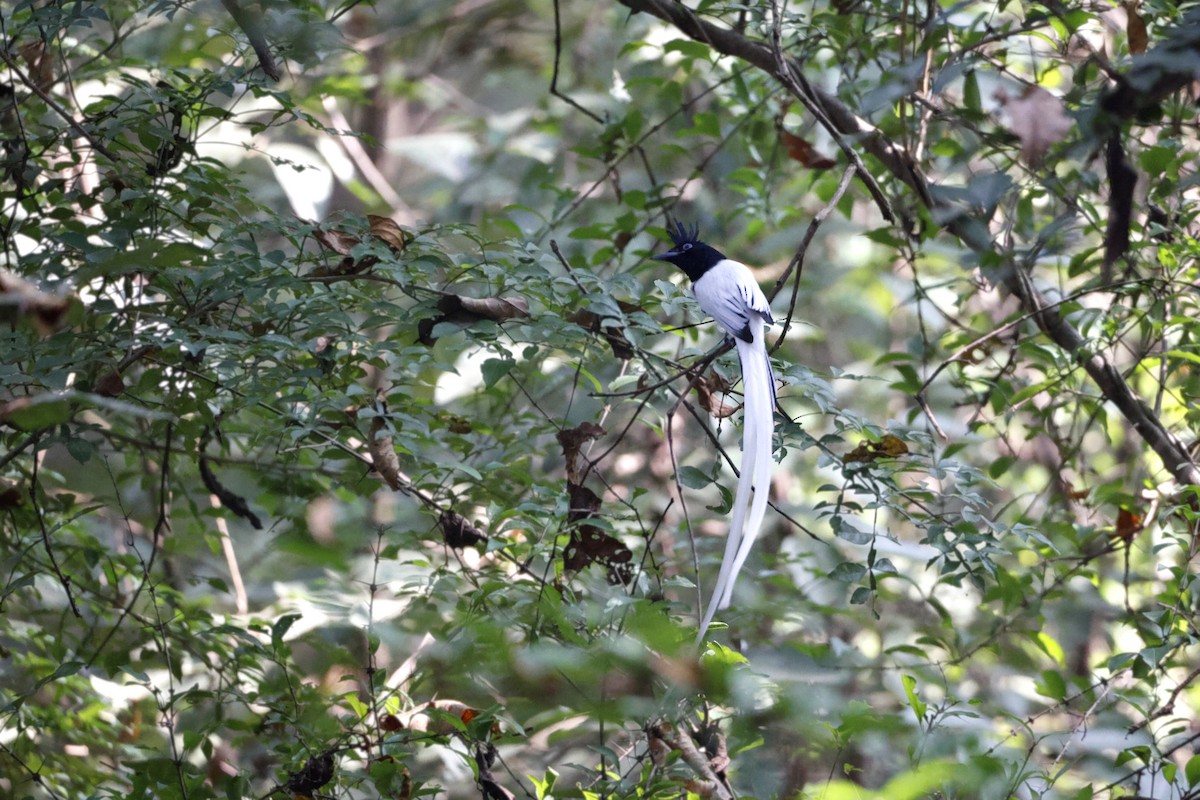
(350, 446)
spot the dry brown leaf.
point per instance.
(571, 440)
(1135, 27)
(887, 447)
(457, 531)
(589, 545)
(387, 231)
(1128, 525)
(465, 310)
(497, 309)
(802, 151)
(1038, 119)
(315, 773)
(110, 384)
(606, 327)
(38, 61)
(338, 242)
(11, 495)
(707, 389)
(383, 453)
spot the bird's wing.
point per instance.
(729, 293)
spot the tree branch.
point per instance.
(966, 228)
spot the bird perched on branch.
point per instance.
(727, 291)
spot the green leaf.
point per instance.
(693, 478)
(281, 627)
(1191, 771)
(972, 100)
(914, 702)
(494, 369)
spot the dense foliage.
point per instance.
(350, 446)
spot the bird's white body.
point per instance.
(729, 293)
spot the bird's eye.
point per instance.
(686, 246)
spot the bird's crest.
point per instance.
(682, 235)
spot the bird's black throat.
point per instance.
(694, 258)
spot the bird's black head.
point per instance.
(689, 253)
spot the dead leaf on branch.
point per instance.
(460, 310)
(485, 756)
(572, 440)
(458, 532)
(387, 231)
(708, 389)
(341, 243)
(1037, 118)
(608, 327)
(315, 773)
(1128, 525)
(1135, 27)
(866, 452)
(39, 62)
(382, 450)
(589, 544)
(802, 151)
(11, 495)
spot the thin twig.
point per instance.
(30, 84)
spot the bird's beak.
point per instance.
(667, 256)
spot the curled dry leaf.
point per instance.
(21, 299)
(11, 495)
(572, 440)
(708, 387)
(801, 150)
(607, 327)
(387, 231)
(1128, 525)
(110, 384)
(341, 243)
(888, 447)
(1038, 119)
(457, 531)
(39, 61)
(315, 773)
(1135, 27)
(589, 544)
(383, 453)
(336, 241)
(461, 310)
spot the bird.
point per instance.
(727, 291)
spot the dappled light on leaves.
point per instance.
(379, 279)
